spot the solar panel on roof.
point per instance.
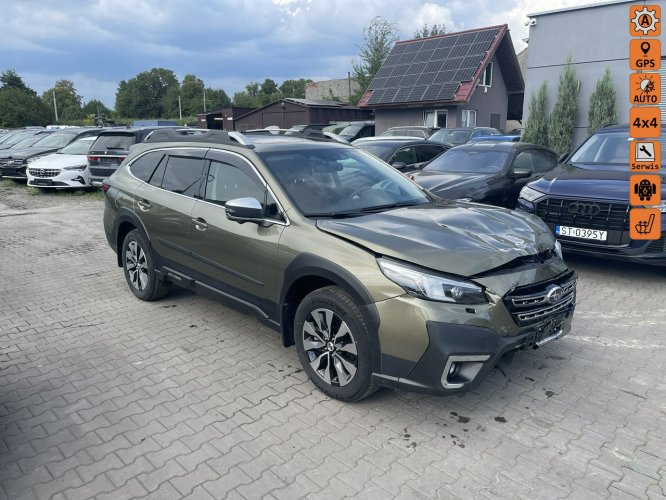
(408, 81)
(401, 95)
(432, 92)
(448, 91)
(426, 79)
(389, 95)
(486, 36)
(417, 93)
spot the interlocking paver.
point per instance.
(102, 394)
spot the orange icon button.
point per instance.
(645, 190)
(644, 156)
(644, 88)
(645, 54)
(645, 20)
(644, 223)
(644, 122)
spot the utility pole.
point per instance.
(55, 107)
(180, 109)
(204, 99)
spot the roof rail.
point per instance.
(190, 135)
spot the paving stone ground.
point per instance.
(105, 396)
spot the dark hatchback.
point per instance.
(486, 172)
(589, 192)
(111, 148)
(403, 153)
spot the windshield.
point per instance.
(604, 151)
(331, 182)
(478, 162)
(28, 141)
(351, 130)
(54, 141)
(451, 136)
(120, 142)
(78, 147)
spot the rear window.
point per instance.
(120, 142)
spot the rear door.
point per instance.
(237, 259)
(164, 205)
(107, 152)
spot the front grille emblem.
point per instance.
(555, 293)
(590, 209)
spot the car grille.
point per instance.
(657, 246)
(595, 214)
(534, 303)
(44, 172)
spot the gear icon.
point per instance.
(641, 20)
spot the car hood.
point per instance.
(57, 160)
(459, 238)
(571, 181)
(452, 185)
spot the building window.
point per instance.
(468, 118)
(487, 77)
(435, 118)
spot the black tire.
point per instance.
(328, 351)
(139, 268)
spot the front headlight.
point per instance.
(78, 167)
(430, 286)
(529, 194)
(30, 160)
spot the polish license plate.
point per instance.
(580, 232)
(42, 182)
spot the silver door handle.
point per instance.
(143, 205)
(200, 224)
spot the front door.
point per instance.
(236, 259)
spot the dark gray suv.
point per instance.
(377, 282)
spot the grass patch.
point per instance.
(89, 193)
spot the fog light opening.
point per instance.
(461, 370)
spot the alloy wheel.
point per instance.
(137, 266)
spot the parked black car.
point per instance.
(461, 135)
(13, 166)
(486, 172)
(111, 148)
(15, 138)
(355, 131)
(405, 154)
(585, 201)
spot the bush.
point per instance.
(536, 128)
(602, 104)
(563, 117)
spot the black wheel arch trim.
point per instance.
(126, 215)
(308, 264)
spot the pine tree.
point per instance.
(563, 117)
(536, 128)
(602, 104)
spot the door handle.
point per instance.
(200, 224)
(143, 205)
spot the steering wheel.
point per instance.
(357, 192)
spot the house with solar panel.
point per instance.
(466, 79)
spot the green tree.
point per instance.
(425, 31)
(602, 104)
(95, 107)
(19, 104)
(294, 88)
(536, 128)
(68, 101)
(250, 97)
(563, 117)
(144, 95)
(378, 39)
(216, 99)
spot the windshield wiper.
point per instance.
(389, 206)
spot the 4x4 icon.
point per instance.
(376, 281)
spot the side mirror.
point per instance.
(399, 165)
(521, 173)
(244, 210)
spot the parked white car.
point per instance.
(67, 168)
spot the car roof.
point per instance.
(397, 139)
(498, 146)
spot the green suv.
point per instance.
(376, 281)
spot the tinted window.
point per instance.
(543, 160)
(383, 151)
(26, 142)
(451, 136)
(143, 167)
(469, 161)
(426, 152)
(226, 182)
(406, 155)
(524, 161)
(78, 147)
(183, 175)
(55, 141)
(120, 142)
(158, 174)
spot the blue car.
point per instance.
(585, 200)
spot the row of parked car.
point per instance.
(583, 194)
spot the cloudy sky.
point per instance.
(227, 43)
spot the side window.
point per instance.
(144, 166)
(427, 152)
(183, 175)
(158, 174)
(405, 155)
(226, 182)
(543, 160)
(524, 160)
